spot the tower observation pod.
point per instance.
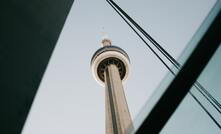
(110, 66)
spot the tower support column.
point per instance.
(118, 119)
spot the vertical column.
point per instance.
(118, 119)
(108, 118)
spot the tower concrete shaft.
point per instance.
(118, 119)
(110, 66)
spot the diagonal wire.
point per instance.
(142, 39)
(214, 120)
(198, 86)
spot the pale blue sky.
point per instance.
(69, 100)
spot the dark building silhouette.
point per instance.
(29, 32)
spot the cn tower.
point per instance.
(110, 66)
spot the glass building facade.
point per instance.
(199, 111)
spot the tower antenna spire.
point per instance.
(105, 41)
